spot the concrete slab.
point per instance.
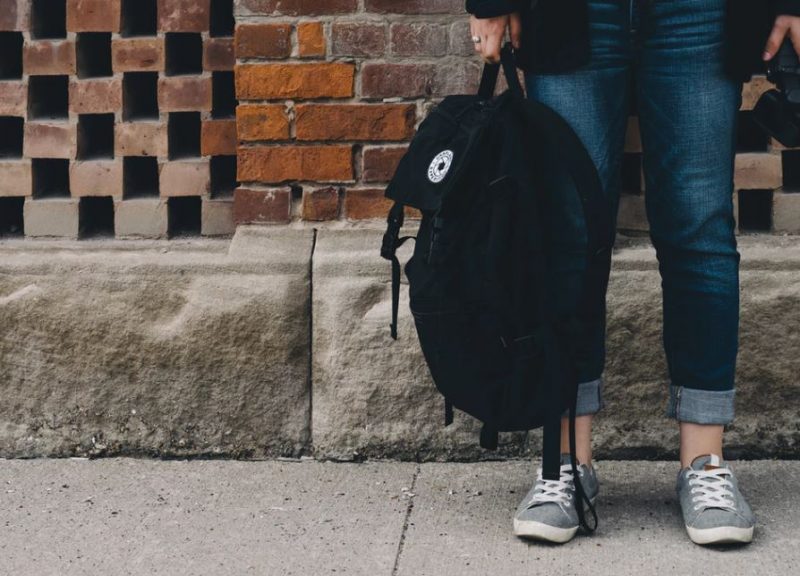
(461, 524)
(159, 348)
(114, 517)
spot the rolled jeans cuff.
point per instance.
(590, 398)
(700, 406)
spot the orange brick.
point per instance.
(48, 57)
(277, 81)
(355, 121)
(311, 39)
(263, 41)
(219, 138)
(103, 95)
(218, 54)
(184, 93)
(363, 204)
(322, 204)
(262, 122)
(274, 164)
(254, 206)
(93, 15)
(137, 54)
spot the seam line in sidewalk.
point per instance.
(409, 509)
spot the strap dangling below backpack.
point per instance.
(391, 242)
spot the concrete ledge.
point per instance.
(206, 347)
(163, 348)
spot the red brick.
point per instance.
(96, 96)
(298, 7)
(278, 81)
(393, 80)
(364, 39)
(275, 164)
(363, 204)
(96, 178)
(16, 178)
(8, 15)
(183, 15)
(418, 39)
(263, 41)
(50, 140)
(219, 138)
(141, 139)
(311, 39)
(218, 54)
(48, 57)
(93, 15)
(262, 122)
(185, 178)
(260, 206)
(380, 163)
(184, 93)
(13, 98)
(321, 204)
(355, 121)
(455, 7)
(137, 54)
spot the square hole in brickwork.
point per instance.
(183, 134)
(749, 136)
(48, 97)
(184, 215)
(11, 136)
(94, 54)
(96, 216)
(223, 176)
(95, 136)
(139, 18)
(222, 20)
(50, 178)
(755, 210)
(10, 55)
(791, 170)
(140, 96)
(184, 53)
(632, 173)
(140, 177)
(11, 216)
(49, 18)
(223, 95)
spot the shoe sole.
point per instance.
(720, 535)
(533, 530)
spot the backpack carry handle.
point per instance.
(492, 71)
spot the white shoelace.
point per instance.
(711, 489)
(559, 491)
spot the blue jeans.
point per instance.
(669, 56)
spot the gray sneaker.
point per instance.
(714, 510)
(548, 510)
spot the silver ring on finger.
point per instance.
(476, 39)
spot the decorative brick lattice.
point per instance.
(117, 117)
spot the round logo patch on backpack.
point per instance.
(440, 166)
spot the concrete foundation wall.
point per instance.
(277, 344)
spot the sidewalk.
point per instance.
(148, 517)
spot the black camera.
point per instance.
(778, 111)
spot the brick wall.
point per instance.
(117, 116)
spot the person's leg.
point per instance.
(687, 115)
(595, 102)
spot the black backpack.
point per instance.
(514, 238)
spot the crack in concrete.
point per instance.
(409, 509)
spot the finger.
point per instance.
(775, 39)
(515, 24)
(492, 49)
